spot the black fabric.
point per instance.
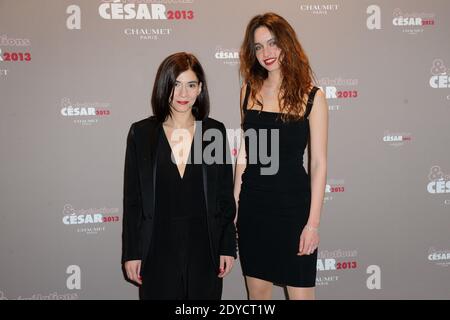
(141, 173)
(180, 265)
(273, 209)
(310, 103)
(247, 93)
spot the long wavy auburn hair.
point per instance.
(297, 75)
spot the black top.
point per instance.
(291, 138)
(176, 196)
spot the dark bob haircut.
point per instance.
(163, 88)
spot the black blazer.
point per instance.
(139, 193)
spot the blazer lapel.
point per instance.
(150, 141)
(204, 166)
(155, 149)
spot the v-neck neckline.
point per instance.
(172, 157)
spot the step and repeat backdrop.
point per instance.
(74, 74)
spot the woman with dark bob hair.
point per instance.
(178, 239)
(279, 212)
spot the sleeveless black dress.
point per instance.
(273, 209)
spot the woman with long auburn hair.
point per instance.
(279, 212)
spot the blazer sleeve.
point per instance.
(132, 204)
(226, 202)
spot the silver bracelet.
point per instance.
(309, 228)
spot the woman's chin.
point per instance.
(182, 109)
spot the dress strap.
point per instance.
(247, 94)
(310, 103)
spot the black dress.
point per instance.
(179, 265)
(273, 209)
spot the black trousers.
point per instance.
(180, 266)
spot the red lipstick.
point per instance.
(269, 61)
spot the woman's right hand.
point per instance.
(133, 268)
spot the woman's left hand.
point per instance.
(226, 263)
(309, 241)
